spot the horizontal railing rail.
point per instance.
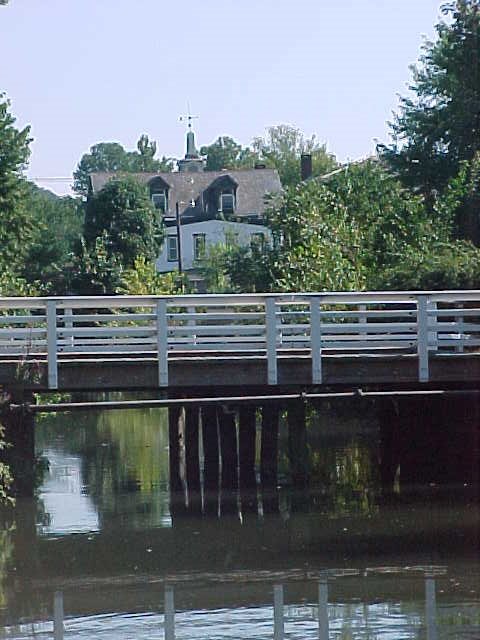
(270, 326)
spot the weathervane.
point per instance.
(188, 117)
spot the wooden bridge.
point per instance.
(237, 341)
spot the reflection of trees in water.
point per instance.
(342, 456)
(124, 460)
(6, 558)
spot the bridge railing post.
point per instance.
(316, 340)
(271, 338)
(432, 325)
(52, 344)
(162, 342)
(422, 338)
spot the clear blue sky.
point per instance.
(85, 71)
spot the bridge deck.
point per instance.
(233, 372)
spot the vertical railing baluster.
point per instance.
(316, 340)
(68, 323)
(52, 344)
(191, 323)
(271, 336)
(459, 321)
(58, 616)
(278, 625)
(432, 326)
(169, 614)
(362, 319)
(323, 627)
(430, 608)
(162, 342)
(422, 338)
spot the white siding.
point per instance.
(216, 231)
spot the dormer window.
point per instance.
(227, 201)
(159, 200)
(159, 193)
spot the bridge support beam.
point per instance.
(297, 444)
(175, 445)
(269, 458)
(192, 458)
(247, 433)
(228, 448)
(211, 460)
(19, 430)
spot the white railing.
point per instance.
(266, 325)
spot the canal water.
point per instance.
(103, 534)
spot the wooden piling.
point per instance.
(247, 432)
(297, 444)
(211, 460)
(228, 450)
(269, 458)
(175, 444)
(192, 458)
(390, 445)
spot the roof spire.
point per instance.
(192, 160)
(192, 153)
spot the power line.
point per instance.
(53, 179)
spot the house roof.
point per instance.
(252, 186)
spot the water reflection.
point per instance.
(103, 531)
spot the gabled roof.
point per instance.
(252, 186)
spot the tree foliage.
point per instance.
(282, 147)
(121, 225)
(58, 226)
(225, 153)
(111, 156)
(144, 280)
(123, 210)
(451, 265)
(15, 221)
(331, 235)
(439, 126)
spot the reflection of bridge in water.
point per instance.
(260, 586)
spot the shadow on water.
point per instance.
(225, 502)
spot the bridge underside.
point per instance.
(206, 375)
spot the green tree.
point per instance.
(282, 147)
(15, 220)
(439, 126)
(335, 234)
(111, 156)
(144, 280)
(58, 228)
(225, 153)
(123, 211)
(450, 265)
(96, 269)
(458, 207)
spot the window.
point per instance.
(172, 248)
(198, 246)
(159, 199)
(227, 202)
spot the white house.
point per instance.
(197, 237)
(204, 207)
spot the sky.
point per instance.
(87, 71)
